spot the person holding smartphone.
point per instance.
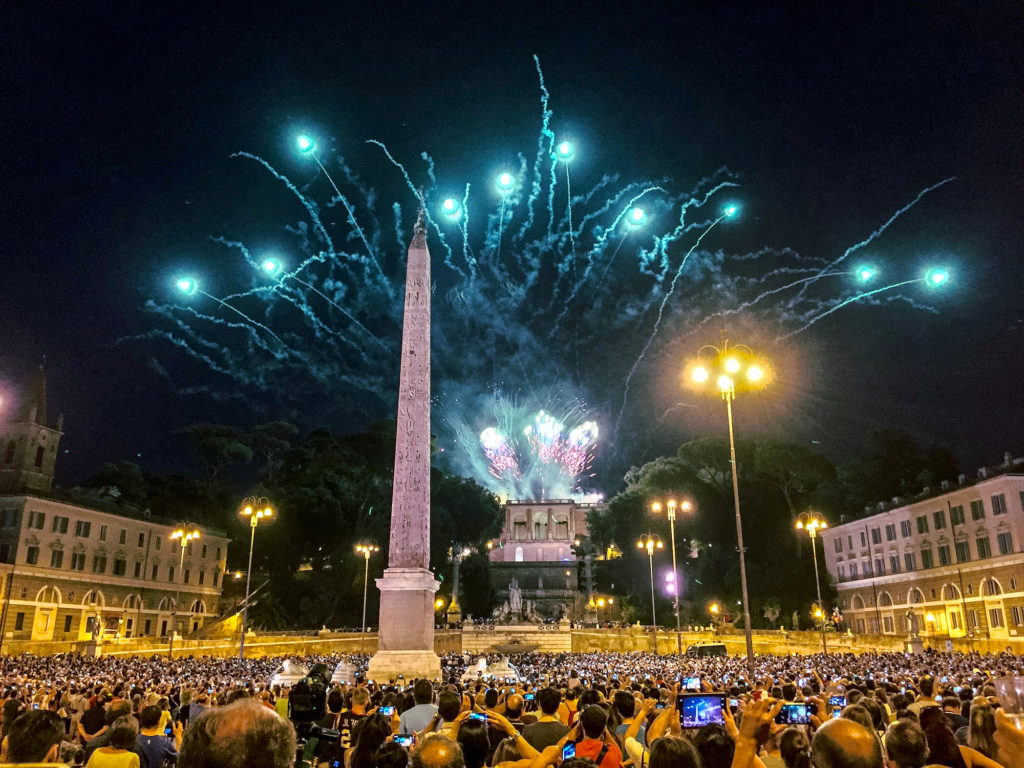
(154, 744)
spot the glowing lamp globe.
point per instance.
(732, 365)
(305, 144)
(451, 208)
(724, 383)
(186, 285)
(755, 374)
(700, 374)
(505, 182)
(271, 266)
(565, 151)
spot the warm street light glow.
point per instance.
(257, 509)
(732, 365)
(812, 522)
(439, 603)
(715, 608)
(700, 374)
(754, 373)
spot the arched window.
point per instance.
(915, 596)
(198, 607)
(48, 594)
(991, 587)
(519, 554)
(950, 592)
(858, 602)
(885, 599)
(94, 597)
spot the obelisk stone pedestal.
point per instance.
(405, 640)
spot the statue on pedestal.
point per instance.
(515, 598)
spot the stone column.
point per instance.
(405, 639)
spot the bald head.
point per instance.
(514, 706)
(437, 751)
(845, 744)
(241, 735)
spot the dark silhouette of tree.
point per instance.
(217, 446)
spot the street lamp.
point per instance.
(725, 369)
(457, 553)
(256, 509)
(812, 522)
(184, 534)
(670, 507)
(651, 542)
(365, 550)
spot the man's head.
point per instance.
(149, 717)
(927, 686)
(118, 709)
(514, 706)
(360, 698)
(449, 704)
(34, 737)
(241, 735)
(123, 732)
(423, 692)
(491, 698)
(593, 720)
(335, 701)
(843, 743)
(548, 700)
(951, 704)
(624, 703)
(437, 751)
(905, 745)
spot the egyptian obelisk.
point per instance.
(405, 640)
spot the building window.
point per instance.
(963, 551)
(82, 529)
(956, 515)
(124, 536)
(867, 567)
(849, 542)
(39, 456)
(99, 564)
(60, 524)
(5, 553)
(158, 541)
(120, 567)
(853, 570)
(863, 538)
(860, 626)
(186, 575)
(103, 533)
(142, 540)
(1005, 540)
(204, 551)
(56, 558)
(32, 555)
(995, 618)
(939, 518)
(1017, 614)
(977, 510)
(202, 575)
(156, 570)
(216, 576)
(908, 560)
(970, 589)
(138, 569)
(888, 625)
(905, 528)
(170, 573)
(876, 536)
(67, 624)
(36, 520)
(954, 620)
(78, 561)
(218, 552)
(999, 504)
(922, 524)
(879, 566)
(839, 545)
(147, 626)
(842, 572)
(890, 532)
(19, 622)
(926, 558)
(894, 564)
(972, 619)
(944, 558)
(984, 547)
(990, 588)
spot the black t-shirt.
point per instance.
(544, 734)
(93, 719)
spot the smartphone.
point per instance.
(837, 701)
(691, 683)
(700, 709)
(168, 731)
(404, 740)
(956, 689)
(794, 714)
(569, 751)
(945, 679)
(528, 697)
(837, 713)
(387, 711)
(734, 702)
(478, 716)
(35, 706)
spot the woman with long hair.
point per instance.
(795, 749)
(942, 746)
(367, 737)
(982, 728)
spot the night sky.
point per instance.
(120, 119)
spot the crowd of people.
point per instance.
(573, 710)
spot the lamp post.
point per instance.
(670, 507)
(366, 550)
(457, 553)
(811, 522)
(651, 542)
(184, 534)
(256, 509)
(726, 368)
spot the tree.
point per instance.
(772, 611)
(271, 441)
(793, 469)
(217, 446)
(126, 476)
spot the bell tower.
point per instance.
(28, 444)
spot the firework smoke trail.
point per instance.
(877, 232)
(355, 226)
(661, 311)
(546, 134)
(758, 299)
(243, 316)
(839, 306)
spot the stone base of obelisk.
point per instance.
(405, 640)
